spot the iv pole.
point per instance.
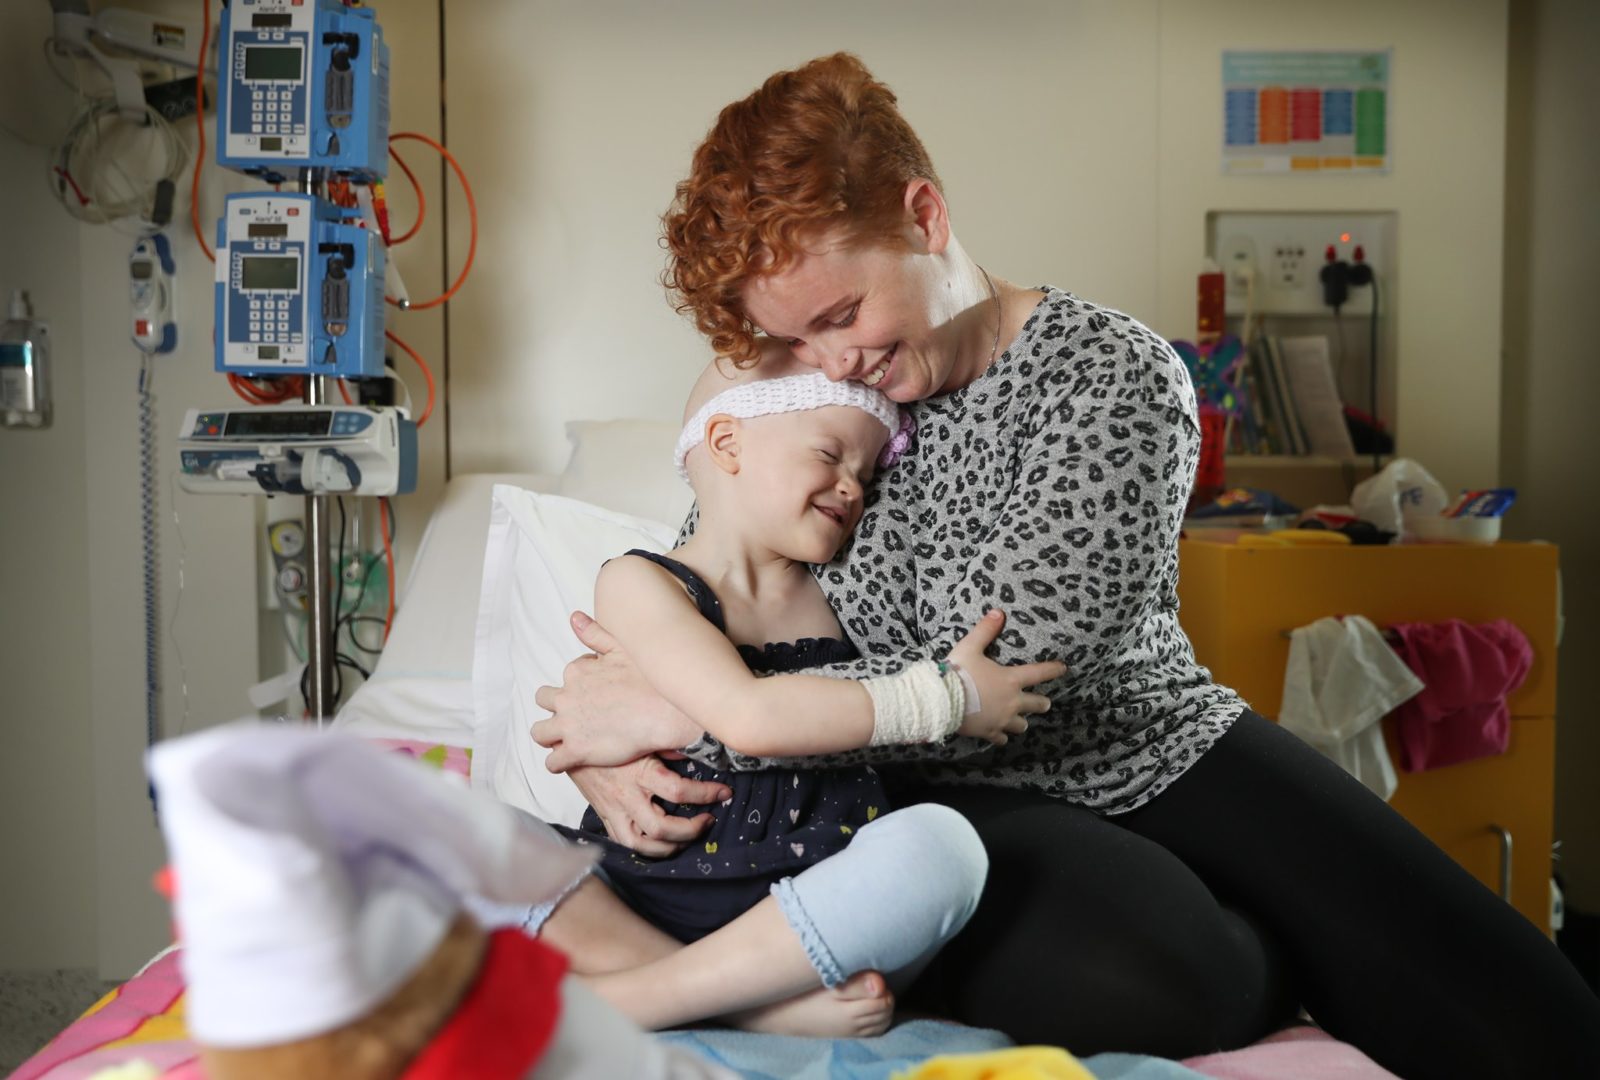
(319, 636)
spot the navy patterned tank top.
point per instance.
(778, 822)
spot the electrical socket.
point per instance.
(1287, 250)
(1237, 257)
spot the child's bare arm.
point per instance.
(694, 666)
(698, 670)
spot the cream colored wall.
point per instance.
(1552, 381)
(84, 843)
(1079, 143)
(47, 905)
(1447, 187)
(577, 120)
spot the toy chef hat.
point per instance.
(315, 872)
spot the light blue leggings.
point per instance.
(905, 886)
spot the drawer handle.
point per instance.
(1505, 860)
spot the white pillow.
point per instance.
(626, 465)
(543, 554)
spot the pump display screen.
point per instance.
(267, 230)
(277, 423)
(284, 19)
(272, 62)
(270, 272)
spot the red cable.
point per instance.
(200, 127)
(472, 215)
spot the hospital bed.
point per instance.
(421, 701)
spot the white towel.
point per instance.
(1341, 679)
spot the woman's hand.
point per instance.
(622, 796)
(1002, 690)
(605, 713)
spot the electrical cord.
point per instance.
(79, 168)
(148, 533)
(1372, 380)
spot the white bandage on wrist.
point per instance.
(922, 704)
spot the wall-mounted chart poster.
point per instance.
(1306, 111)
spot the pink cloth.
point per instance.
(1468, 671)
(1300, 1053)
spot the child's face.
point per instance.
(806, 475)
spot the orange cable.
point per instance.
(200, 127)
(427, 374)
(472, 214)
(388, 560)
(422, 203)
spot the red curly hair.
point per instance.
(819, 146)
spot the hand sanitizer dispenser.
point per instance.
(24, 367)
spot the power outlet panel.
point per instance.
(1285, 253)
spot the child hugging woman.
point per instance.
(808, 900)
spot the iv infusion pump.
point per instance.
(303, 85)
(298, 450)
(299, 289)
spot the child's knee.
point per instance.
(938, 845)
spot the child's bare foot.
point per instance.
(858, 1008)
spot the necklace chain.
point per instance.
(994, 294)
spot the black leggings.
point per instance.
(1262, 879)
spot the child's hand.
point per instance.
(1002, 690)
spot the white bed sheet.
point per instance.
(422, 686)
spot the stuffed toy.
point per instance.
(337, 904)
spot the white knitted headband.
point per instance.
(795, 393)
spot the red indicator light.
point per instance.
(1344, 238)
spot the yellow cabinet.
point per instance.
(1238, 602)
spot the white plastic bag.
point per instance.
(1403, 491)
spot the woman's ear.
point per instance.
(928, 218)
(722, 442)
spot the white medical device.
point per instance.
(150, 293)
(298, 450)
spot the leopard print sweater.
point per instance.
(1052, 486)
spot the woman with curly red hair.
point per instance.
(1169, 872)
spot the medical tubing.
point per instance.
(422, 203)
(427, 375)
(147, 530)
(82, 152)
(472, 217)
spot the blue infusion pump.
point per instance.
(299, 288)
(302, 85)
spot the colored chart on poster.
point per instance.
(1306, 111)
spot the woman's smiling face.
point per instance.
(882, 313)
(861, 313)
